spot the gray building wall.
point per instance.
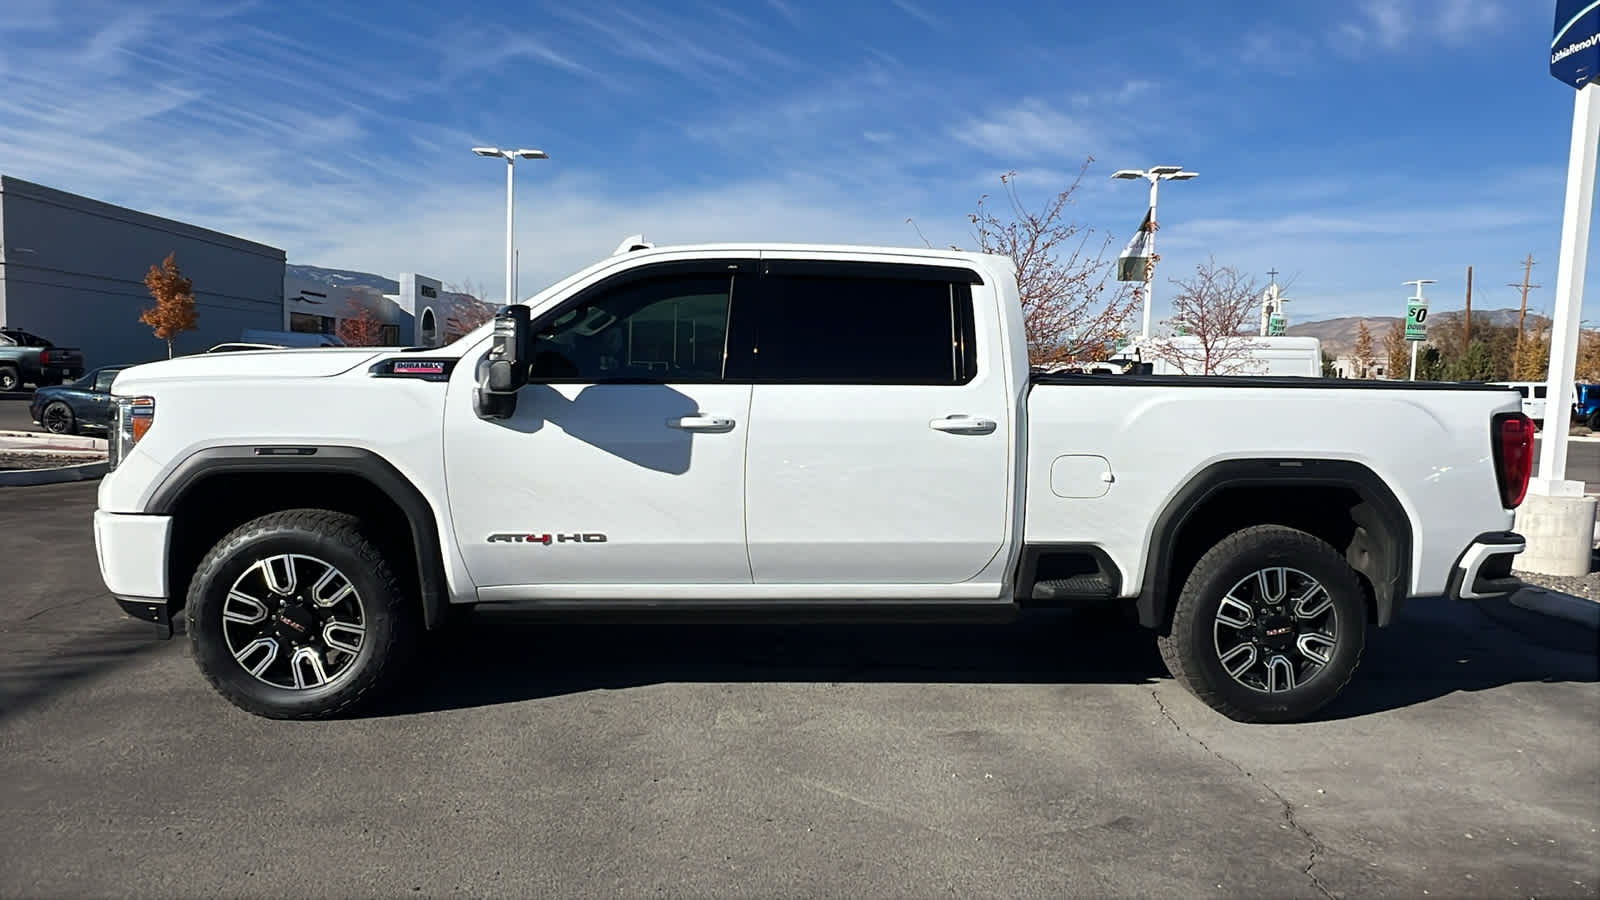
(72, 271)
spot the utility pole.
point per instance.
(1466, 340)
(1516, 353)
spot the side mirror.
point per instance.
(503, 371)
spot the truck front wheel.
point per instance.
(298, 615)
(1269, 627)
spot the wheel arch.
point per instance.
(275, 477)
(1342, 501)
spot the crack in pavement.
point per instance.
(1317, 847)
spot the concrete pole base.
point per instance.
(1560, 533)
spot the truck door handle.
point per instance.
(715, 424)
(963, 425)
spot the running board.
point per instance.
(1078, 587)
(750, 611)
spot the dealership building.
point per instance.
(72, 271)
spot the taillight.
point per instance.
(44, 357)
(1513, 456)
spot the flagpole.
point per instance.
(1150, 268)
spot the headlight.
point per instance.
(134, 417)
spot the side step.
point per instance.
(1078, 587)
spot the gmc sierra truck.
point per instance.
(788, 430)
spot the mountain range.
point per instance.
(1338, 336)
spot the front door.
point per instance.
(879, 447)
(624, 461)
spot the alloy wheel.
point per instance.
(294, 621)
(1276, 629)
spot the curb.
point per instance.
(1559, 605)
(58, 475)
(58, 440)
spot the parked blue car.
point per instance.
(78, 406)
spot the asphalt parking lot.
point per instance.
(1051, 758)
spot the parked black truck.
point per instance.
(26, 358)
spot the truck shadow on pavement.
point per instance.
(1434, 650)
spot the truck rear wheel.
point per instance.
(1269, 627)
(298, 615)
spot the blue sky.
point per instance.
(1351, 144)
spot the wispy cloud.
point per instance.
(1396, 24)
(921, 15)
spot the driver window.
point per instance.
(102, 381)
(669, 328)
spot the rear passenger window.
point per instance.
(1540, 391)
(824, 329)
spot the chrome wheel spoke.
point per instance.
(306, 664)
(1313, 603)
(1273, 584)
(1239, 660)
(1280, 674)
(263, 649)
(1316, 647)
(331, 588)
(243, 608)
(346, 636)
(1235, 613)
(279, 574)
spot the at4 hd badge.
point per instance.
(522, 537)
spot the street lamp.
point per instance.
(510, 156)
(1155, 175)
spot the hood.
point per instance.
(320, 362)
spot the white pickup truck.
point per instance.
(784, 430)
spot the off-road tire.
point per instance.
(391, 617)
(9, 379)
(1187, 646)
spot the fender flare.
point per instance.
(1380, 510)
(165, 497)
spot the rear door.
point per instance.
(878, 448)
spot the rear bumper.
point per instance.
(132, 552)
(1483, 571)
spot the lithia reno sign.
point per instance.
(1575, 46)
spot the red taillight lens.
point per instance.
(1513, 457)
(44, 357)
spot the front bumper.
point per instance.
(1483, 571)
(132, 553)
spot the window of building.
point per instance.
(863, 330)
(428, 325)
(667, 328)
(310, 323)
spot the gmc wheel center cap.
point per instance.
(294, 622)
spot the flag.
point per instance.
(1135, 260)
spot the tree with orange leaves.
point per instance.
(360, 328)
(174, 311)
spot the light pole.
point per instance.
(1155, 175)
(1423, 305)
(510, 156)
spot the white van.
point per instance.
(1533, 397)
(1269, 356)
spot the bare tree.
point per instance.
(1212, 313)
(1072, 309)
